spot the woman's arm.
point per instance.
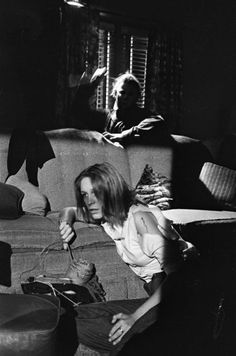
(67, 217)
(124, 322)
(168, 256)
(154, 243)
(166, 227)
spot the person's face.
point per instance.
(90, 200)
(126, 96)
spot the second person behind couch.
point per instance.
(125, 122)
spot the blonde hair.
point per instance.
(110, 189)
(126, 78)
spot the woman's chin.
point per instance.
(97, 219)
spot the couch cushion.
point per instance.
(29, 231)
(10, 201)
(35, 232)
(33, 201)
(36, 248)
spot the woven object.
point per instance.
(80, 272)
(220, 182)
(83, 273)
(80, 278)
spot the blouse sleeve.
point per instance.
(165, 251)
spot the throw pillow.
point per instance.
(33, 202)
(10, 202)
(221, 183)
(154, 189)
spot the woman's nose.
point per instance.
(91, 199)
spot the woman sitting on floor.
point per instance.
(147, 243)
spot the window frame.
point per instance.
(129, 40)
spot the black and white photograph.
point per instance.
(117, 178)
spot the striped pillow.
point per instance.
(221, 183)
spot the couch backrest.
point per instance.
(158, 157)
(74, 152)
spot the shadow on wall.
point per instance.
(29, 38)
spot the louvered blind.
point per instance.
(138, 62)
(121, 50)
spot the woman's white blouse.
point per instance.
(146, 255)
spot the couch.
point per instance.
(30, 242)
(43, 165)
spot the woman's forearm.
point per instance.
(151, 302)
(169, 284)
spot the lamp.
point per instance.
(76, 3)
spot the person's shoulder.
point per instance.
(149, 115)
(154, 116)
(139, 209)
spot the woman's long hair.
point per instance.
(110, 189)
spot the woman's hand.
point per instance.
(123, 322)
(67, 233)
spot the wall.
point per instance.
(29, 35)
(209, 69)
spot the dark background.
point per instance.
(29, 37)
